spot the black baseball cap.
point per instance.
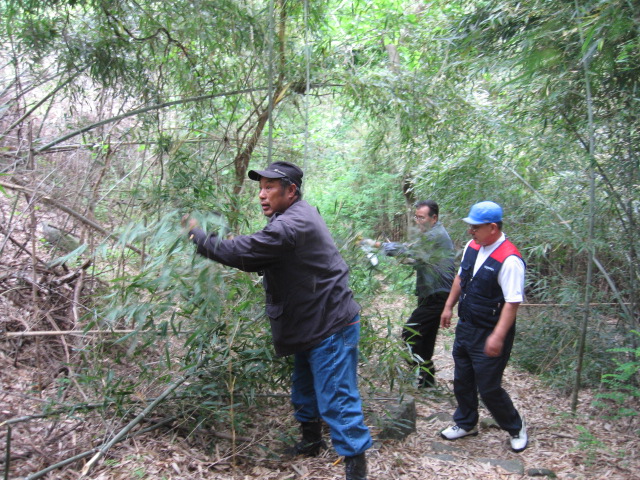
(279, 170)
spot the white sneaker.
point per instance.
(455, 432)
(519, 442)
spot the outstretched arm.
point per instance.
(188, 222)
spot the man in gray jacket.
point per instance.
(311, 309)
(431, 252)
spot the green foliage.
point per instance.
(387, 360)
(71, 256)
(588, 444)
(622, 385)
(546, 345)
(185, 310)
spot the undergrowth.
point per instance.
(547, 345)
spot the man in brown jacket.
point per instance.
(311, 309)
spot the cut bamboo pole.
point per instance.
(124, 432)
(81, 333)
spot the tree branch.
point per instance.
(37, 105)
(71, 212)
(138, 111)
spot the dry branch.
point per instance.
(70, 277)
(76, 298)
(80, 456)
(144, 110)
(71, 212)
(105, 447)
(54, 333)
(20, 246)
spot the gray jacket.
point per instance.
(305, 277)
(433, 255)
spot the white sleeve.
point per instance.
(511, 279)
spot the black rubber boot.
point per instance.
(311, 443)
(355, 467)
(427, 375)
(427, 379)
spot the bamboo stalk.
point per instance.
(571, 304)
(586, 62)
(139, 111)
(124, 432)
(80, 456)
(41, 102)
(67, 410)
(7, 454)
(54, 333)
(594, 258)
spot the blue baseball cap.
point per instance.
(484, 212)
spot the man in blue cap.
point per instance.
(489, 287)
(311, 309)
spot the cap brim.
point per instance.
(471, 221)
(258, 174)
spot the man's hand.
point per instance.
(408, 261)
(495, 342)
(445, 317)
(493, 346)
(454, 295)
(188, 222)
(367, 242)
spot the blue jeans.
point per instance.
(325, 385)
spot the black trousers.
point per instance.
(476, 373)
(421, 330)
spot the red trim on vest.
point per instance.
(506, 249)
(475, 245)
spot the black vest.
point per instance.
(481, 298)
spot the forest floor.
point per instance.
(582, 446)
